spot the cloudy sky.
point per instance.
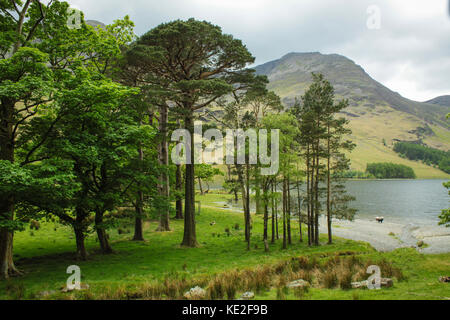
(404, 44)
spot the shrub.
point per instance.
(328, 279)
(281, 294)
(15, 290)
(345, 278)
(300, 292)
(216, 288)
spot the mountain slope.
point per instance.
(442, 101)
(378, 116)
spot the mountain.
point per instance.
(95, 23)
(442, 101)
(378, 116)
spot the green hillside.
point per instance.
(378, 116)
(441, 100)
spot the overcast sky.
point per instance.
(409, 52)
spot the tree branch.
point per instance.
(30, 153)
(33, 29)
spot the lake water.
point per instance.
(400, 201)
(412, 201)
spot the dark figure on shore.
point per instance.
(379, 219)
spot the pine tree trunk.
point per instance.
(316, 221)
(308, 196)
(330, 238)
(247, 212)
(179, 201)
(311, 196)
(288, 206)
(138, 225)
(164, 161)
(178, 187)
(189, 235)
(273, 215)
(266, 213)
(138, 232)
(244, 196)
(257, 193)
(266, 220)
(245, 191)
(276, 219)
(284, 214)
(299, 211)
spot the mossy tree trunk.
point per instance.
(7, 267)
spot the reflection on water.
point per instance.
(414, 201)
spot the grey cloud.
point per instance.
(410, 52)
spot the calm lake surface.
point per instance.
(418, 202)
(413, 201)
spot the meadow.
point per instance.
(136, 269)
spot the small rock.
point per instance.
(46, 293)
(387, 282)
(195, 293)
(444, 279)
(247, 295)
(83, 286)
(420, 243)
(359, 284)
(298, 284)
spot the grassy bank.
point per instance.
(45, 254)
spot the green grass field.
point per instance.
(44, 256)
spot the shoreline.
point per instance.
(394, 179)
(388, 236)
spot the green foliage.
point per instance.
(445, 215)
(73, 130)
(188, 64)
(207, 62)
(386, 170)
(47, 186)
(99, 136)
(324, 146)
(207, 172)
(430, 156)
(352, 174)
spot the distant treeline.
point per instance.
(429, 156)
(386, 170)
(352, 174)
